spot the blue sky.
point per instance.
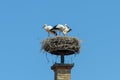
(95, 22)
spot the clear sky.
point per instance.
(95, 22)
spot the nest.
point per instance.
(61, 45)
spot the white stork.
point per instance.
(49, 29)
(62, 28)
(66, 30)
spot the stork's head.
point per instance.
(44, 25)
(66, 25)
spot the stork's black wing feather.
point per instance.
(69, 30)
(55, 28)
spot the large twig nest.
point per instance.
(61, 45)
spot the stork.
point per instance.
(66, 30)
(62, 28)
(49, 29)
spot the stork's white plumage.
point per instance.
(66, 31)
(49, 28)
(62, 28)
(59, 27)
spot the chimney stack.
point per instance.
(62, 71)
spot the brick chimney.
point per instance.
(62, 71)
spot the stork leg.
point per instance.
(59, 32)
(64, 34)
(48, 34)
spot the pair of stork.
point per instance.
(59, 27)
